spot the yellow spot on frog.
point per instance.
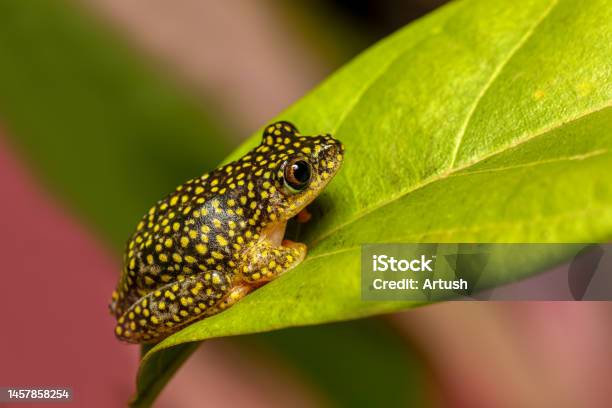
(221, 240)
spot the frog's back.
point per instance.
(200, 226)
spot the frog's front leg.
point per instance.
(170, 307)
(266, 261)
(262, 263)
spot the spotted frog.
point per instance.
(218, 237)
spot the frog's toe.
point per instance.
(304, 216)
(298, 250)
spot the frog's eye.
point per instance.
(297, 174)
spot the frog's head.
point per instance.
(301, 167)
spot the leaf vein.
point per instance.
(577, 157)
(557, 218)
(498, 70)
(441, 176)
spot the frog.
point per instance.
(220, 236)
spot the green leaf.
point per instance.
(483, 122)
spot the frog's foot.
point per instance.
(304, 216)
(296, 247)
(172, 306)
(268, 261)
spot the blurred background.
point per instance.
(105, 105)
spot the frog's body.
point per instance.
(217, 237)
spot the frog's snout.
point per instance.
(333, 144)
(332, 151)
(337, 148)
